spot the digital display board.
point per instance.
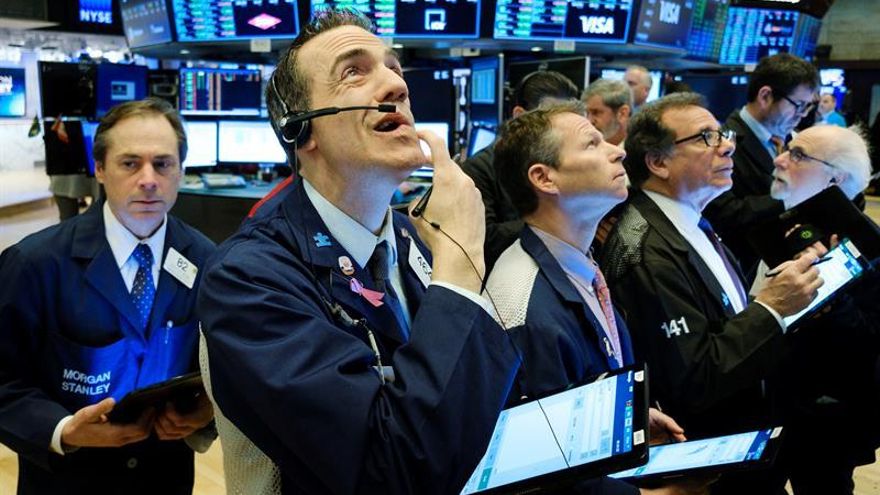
(12, 92)
(219, 91)
(604, 21)
(145, 22)
(415, 18)
(751, 34)
(806, 36)
(707, 29)
(664, 23)
(213, 20)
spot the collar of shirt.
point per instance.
(356, 239)
(122, 241)
(574, 263)
(758, 128)
(683, 216)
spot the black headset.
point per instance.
(293, 127)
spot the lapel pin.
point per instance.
(346, 265)
(321, 240)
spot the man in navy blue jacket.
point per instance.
(563, 177)
(96, 307)
(335, 344)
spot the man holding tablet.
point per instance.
(550, 295)
(828, 376)
(707, 346)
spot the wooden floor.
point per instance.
(17, 222)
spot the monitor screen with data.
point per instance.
(597, 21)
(415, 18)
(249, 141)
(201, 140)
(212, 20)
(564, 432)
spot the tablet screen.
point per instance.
(578, 426)
(841, 267)
(716, 451)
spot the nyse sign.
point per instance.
(670, 12)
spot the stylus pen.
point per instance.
(422, 204)
(774, 273)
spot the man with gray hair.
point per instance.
(827, 377)
(639, 80)
(681, 293)
(609, 106)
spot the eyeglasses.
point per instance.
(797, 155)
(801, 107)
(712, 138)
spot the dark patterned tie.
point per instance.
(378, 266)
(604, 297)
(778, 144)
(143, 291)
(706, 227)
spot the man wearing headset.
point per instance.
(336, 345)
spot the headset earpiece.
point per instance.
(294, 130)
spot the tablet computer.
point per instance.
(579, 433)
(828, 212)
(183, 391)
(749, 450)
(839, 268)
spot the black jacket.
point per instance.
(706, 362)
(503, 223)
(748, 202)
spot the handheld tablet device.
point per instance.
(183, 391)
(749, 450)
(582, 432)
(830, 212)
(838, 269)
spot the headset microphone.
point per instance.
(294, 126)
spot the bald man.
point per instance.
(639, 80)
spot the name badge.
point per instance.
(419, 264)
(180, 268)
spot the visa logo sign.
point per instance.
(595, 24)
(670, 12)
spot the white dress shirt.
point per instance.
(360, 243)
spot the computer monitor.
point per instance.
(416, 18)
(119, 83)
(481, 137)
(145, 22)
(220, 91)
(249, 141)
(656, 80)
(487, 87)
(707, 29)
(201, 138)
(591, 22)
(724, 93)
(88, 131)
(199, 20)
(67, 89)
(12, 92)
(664, 23)
(752, 34)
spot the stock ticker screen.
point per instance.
(664, 23)
(219, 20)
(415, 18)
(604, 21)
(707, 29)
(752, 34)
(145, 22)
